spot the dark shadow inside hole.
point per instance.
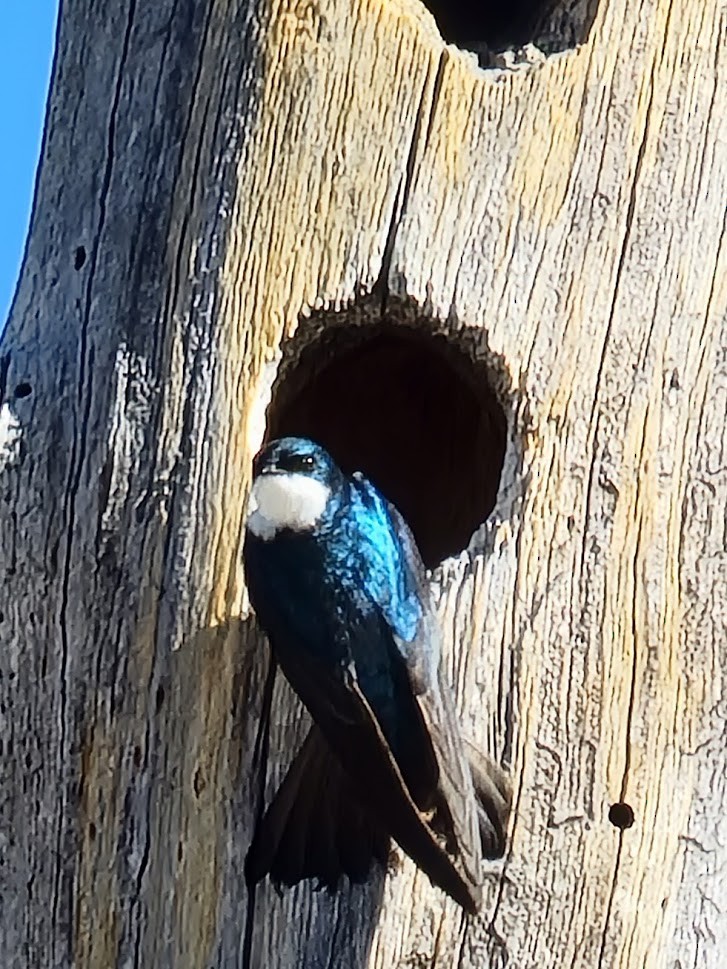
(23, 390)
(552, 25)
(411, 411)
(621, 815)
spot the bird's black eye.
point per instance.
(297, 463)
(303, 462)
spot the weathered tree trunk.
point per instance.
(235, 196)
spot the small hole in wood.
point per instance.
(23, 389)
(136, 758)
(92, 831)
(79, 257)
(621, 815)
(486, 27)
(159, 701)
(413, 412)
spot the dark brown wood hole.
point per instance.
(621, 815)
(411, 411)
(488, 27)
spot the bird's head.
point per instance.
(293, 482)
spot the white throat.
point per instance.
(279, 501)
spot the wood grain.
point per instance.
(238, 174)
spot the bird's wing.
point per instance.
(355, 738)
(471, 829)
(457, 815)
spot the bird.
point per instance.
(338, 586)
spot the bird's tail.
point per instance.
(315, 826)
(494, 797)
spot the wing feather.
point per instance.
(358, 743)
(473, 793)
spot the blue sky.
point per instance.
(27, 32)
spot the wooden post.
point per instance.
(235, 202)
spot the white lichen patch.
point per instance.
(10, 435)
(256, 423)
(130, 415)
(257, 412)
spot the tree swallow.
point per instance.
(338, 586)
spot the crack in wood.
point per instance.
(609, 905)
(594, 420)
(78, 454)
(425, 111)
